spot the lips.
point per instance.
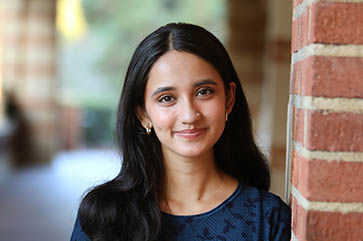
(190, 133)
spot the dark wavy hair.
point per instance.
(127, 207)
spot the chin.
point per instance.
(189, 150)
(193, 153)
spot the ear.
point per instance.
(142, 116)
(231, 94)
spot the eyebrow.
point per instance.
(162, 89)
(197, 84)
(205, 82)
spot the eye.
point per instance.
(204, 91)
(166, 99)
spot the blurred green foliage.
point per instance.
(124, 23)
(92, 69)
(97, 127)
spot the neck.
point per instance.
(194, 185)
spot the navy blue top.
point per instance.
(248, 214)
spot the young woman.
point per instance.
(191, 169)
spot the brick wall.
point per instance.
(326, 120)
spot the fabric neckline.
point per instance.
(210, 212)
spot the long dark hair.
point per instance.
(127, 207)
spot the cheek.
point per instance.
(216, 112)
(161, 119)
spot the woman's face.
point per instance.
(186, 104)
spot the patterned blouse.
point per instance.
(248, 214)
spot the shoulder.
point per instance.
(77, 233)
(266, 209)
(269, 205)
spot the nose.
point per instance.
(189, 112)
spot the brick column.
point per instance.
(275, 89)
(246, 40)
(326, 120)
(29, 71)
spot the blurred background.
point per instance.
(62, 64)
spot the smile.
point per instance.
(190, 133)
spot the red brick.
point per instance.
(313, 225)
(335, 131)
(33, 68)
(330, 23)
(341, 131)
(300, 31)
(328, 77)
(321, 180)
(296, 3)
(298, 124)
(336, 23)
(48, 39)
(299, 217)
(295, 172)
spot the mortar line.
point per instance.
(328, 104)
(332, 50)
(301, 8)
(341, 207)
(330, 156)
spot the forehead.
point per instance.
(181, 68)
